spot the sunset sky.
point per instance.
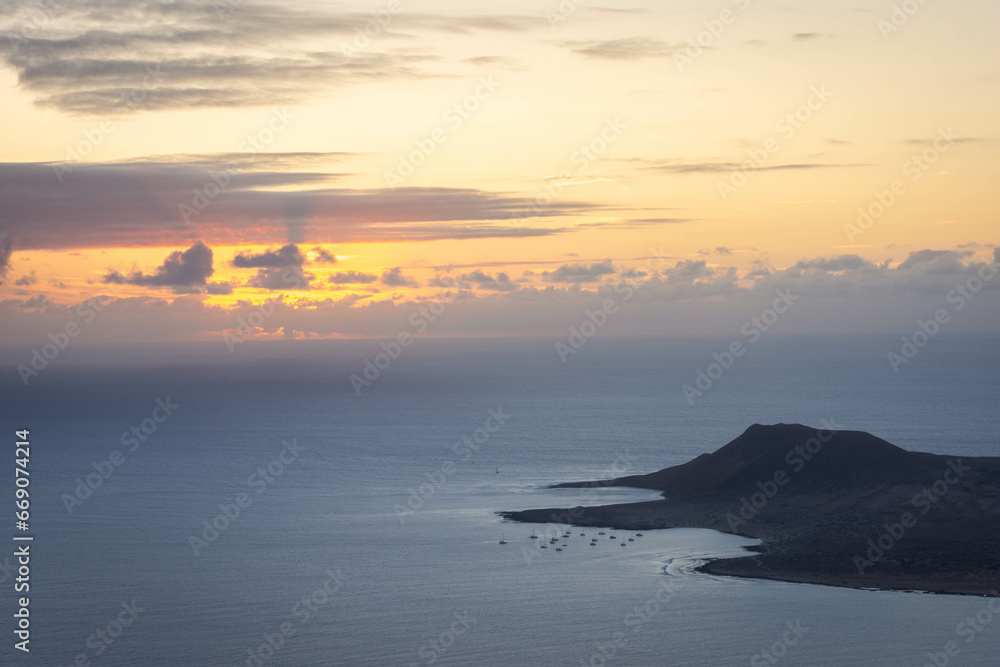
(192, 161)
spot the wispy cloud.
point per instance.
(152, 202)
(627, 48)
(87, 54)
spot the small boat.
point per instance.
(612, 537)
(503, 539)
(593, 544)
(631, 540)
(623, 544)
(601, 533)
(533, 536)
(638, 534)
(582, 534)
(543, 547)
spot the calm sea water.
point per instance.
(377, 544)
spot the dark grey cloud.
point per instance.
(580, 273)
(935, 260)
(627, 48)
(395, 278)
(26, 281)
(87, 56)
(689, 269)
(499, 283)
(153, 202)
(288, 255)
(353, 278)
(219, 288)
(188, 268)
(323, 256)
(6, 250)
(282, 279)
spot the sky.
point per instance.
(169, 169)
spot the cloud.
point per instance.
(289, 255)
(219, 288)
(322, 256)
(720, 250)
(495, 61)
(628, 48)
(579, 273)
(395, 278)
(353, 278)
(499, 283)
(6, 249)
(811, 36)
(867, 299)
(719, 166)
(92, 54)
(282, 279)
(25, 281)
(189, 268)
(833, 264)
(636, 223)
(140, 203)
(935, 260)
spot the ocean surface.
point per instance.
(367, 531)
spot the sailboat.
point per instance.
(533, 536)
(503, 539)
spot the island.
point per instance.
(832, 507)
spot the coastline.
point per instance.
(820, 551)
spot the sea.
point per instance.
(192, 505)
